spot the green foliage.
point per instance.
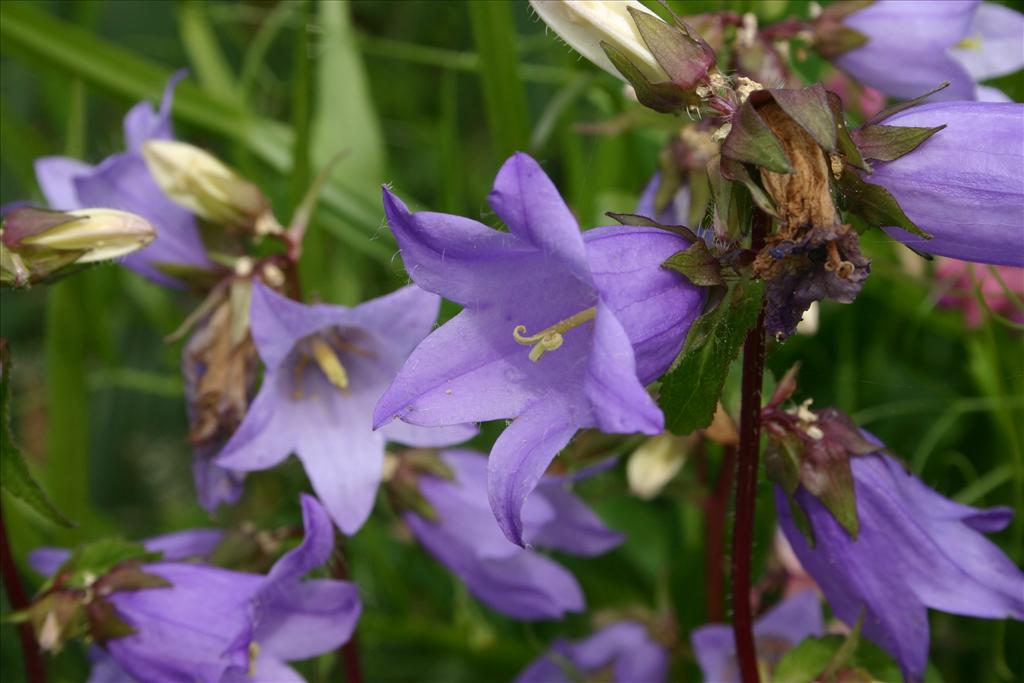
(690, 392)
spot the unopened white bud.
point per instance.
(654, 463)
(102, 234)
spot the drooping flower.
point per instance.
(964, 184)
(915, 550)
(778, 630)
(914, 46)
(326, 366)
(560, 330)
(212, 624)
(122, 181)
(515, 581)
(957, 280)
(625, 649)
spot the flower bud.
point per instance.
(585, 24)
(39, 244)
(204, 185)
(655, 463)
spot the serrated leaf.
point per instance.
(805, 662)
(698, 264)
(886, 143)
(665, 97)
(690, 393)
(15, 477)
(684, 59)
(809, 108)
(875, 204)
(752, 141)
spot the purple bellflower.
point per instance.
(676, 212)
(122, 181)
(326, 366)
(624, 647)
(964, 184)
(216, 625)
(777, 631)
(515, 581)
(913, 46)
(560, 330)
(915, 550)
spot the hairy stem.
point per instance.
(746, 481)
(34, 670)
(715, 512)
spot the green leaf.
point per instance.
(846, 651)
(504, 95)
(805, 662)
(96, 559)
(874, 204)
(752, 141)
(809, 108)
(666, 97)
(690, 392)
(698, 264)
(15, 477)
(886, 143)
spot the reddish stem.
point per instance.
(715, 511)
(34, 669)
(746, 480)
(349, 652)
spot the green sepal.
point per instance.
(827, 475)
(832, 39)
(698, 264)
(844, 141)
(690, 392)
(902, 106)
(97, 559)
(802, 521)
(741, 173)
(665, 97)
(105, 624)
(782, 462)
(809, 109)
(875, 204)
(195, 276)
(886, 143)
(636, 220)
(15, 477)
(685, 59)
(752, 141)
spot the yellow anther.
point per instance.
(969, 43)
(329, 363)
(254, 653)
(551, 338)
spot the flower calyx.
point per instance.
(812, 449)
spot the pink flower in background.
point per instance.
(961, 278)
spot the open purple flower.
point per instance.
(326, 366)
(964, 184)
(122, 181)
(777, 631)
(625, 648)
(559, 330)
(915, 550)
(914, 46)
(514, 581)
(212, 624)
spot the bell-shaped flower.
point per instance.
(624, 649)
(915, 550)
(515, 581)
(560, 330)
(912, 47)
(775, 632)
(326, 366)
(122, 181)
(963, 184)
(213, 624)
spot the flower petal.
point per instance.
(278, 322)
(315, 549)
(46, 561)
(182, 545)
(999, 33)
(795, 618)
(427, 437)
(343, 457)
(573, 528)
(143, 123)
(401, 320)
(620, 402)
(266, 435)
(529, 203)
(56, 176)
(518, 460)
(963, 185)
(309, 619)
(715, 648)
(456, 257)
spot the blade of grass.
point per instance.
(204, 54)
(504, 96)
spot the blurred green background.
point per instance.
(429, 97)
